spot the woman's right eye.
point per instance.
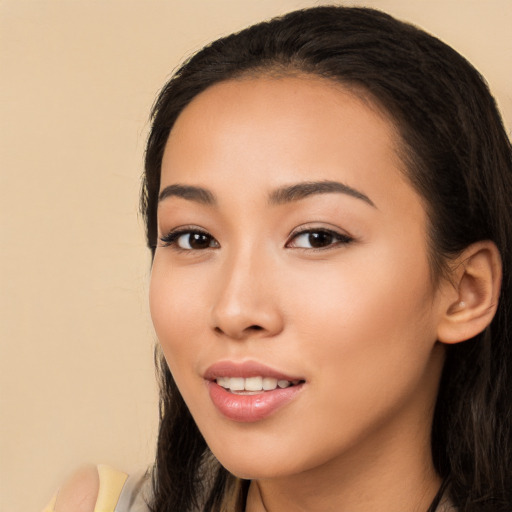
(189, 240)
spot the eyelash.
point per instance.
(338, 238)
(171, 239)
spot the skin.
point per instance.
(357, 321)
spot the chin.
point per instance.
(248, 470)
(263, 461)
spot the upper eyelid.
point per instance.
(311, 227)
(183, 229)
(296, 231)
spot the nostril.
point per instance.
(238, 332)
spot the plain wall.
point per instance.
(77, 81)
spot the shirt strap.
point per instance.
(111, 485)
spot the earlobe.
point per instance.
(472, 303)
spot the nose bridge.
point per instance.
(245, 300)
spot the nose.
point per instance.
(246, 303)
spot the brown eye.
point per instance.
(318, 239)
(197, 241)
(188, 240)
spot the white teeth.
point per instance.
(236, 383)
(253, 383)
(269, 383)
(223, 381)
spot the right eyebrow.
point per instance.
(190, 192)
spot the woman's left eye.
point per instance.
(318, 239)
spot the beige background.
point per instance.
(78, 79)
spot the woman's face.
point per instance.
(293, 257)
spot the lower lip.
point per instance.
(251, 408)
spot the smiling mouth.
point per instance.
(254, 385)
(249, 391)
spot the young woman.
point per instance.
(327, 198)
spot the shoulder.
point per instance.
(80, 491)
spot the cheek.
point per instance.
(177, 312)
(363, 293)
(178, 317)
(368, 332)
(367, 340)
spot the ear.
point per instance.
(471, 302)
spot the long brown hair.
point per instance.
(458, 158)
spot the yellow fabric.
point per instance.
(111, 485)
(51, 506)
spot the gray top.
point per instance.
(137, 490)
(135, 494)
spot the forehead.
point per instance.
(302, 105)
(269, 132)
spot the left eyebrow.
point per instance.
(300, 191)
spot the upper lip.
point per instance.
(245, 369)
